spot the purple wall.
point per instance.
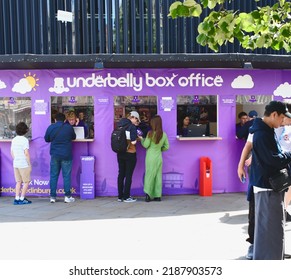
(182, 157)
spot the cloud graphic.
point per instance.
(245, 81)
(2, 85)
(59, 86)
(22, 87)
(283, 90)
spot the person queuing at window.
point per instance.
(60, 136)
(155, 143)
(127, 160)
(21, 163)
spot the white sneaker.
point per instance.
(52, 200)
(69, 199)
(130, 199)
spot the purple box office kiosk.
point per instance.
(105, 95)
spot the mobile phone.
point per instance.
(243, 179)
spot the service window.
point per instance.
(197, 115)
(79, 112)
(146, 106)
(248, 107)
(12, 111)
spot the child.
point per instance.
(21, 163)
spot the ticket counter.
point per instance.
(80, 108)
(211, 98)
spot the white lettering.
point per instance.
(130, 81)
(98, 81)
(88, 158)
(197, 80)
(160, 81)
(40, 182)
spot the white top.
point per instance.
(250, 138)
(18, 145)
(284, 137)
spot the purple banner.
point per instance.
(180, 162)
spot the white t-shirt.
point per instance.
(284, 137)
(250, 138)
(18, 145)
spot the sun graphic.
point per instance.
(32, 80)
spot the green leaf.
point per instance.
(196, 11)
(282, 2)
(276, 17)
(204, 27)
(239, 35)
(247, 22)
(224, 26)
(204, 3)
(189, 3)
(276, 45)
(173, 14)
(182, 11)
(214, 15)
(260, 42)
(214, 47)
(256, 14)
(211, 4)
(175, 5)
(263, 27)
(285, 32)
(287, 47)
(201, 39)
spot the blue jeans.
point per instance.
(56, 166)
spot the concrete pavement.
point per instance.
(178, 227)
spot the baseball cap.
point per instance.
(253, 114)
(135, 114)
(279, 107)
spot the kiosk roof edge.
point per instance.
(220, 60)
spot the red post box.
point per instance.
(205, 180)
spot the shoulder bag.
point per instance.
(280, 181)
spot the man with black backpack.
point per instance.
(127, 159)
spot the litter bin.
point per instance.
(87, 178)
(205, 182)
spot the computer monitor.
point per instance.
(197, 130)
(80, 132)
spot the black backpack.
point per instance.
(118, 139)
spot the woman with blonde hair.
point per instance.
(155, 143)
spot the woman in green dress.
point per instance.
(155, 142)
